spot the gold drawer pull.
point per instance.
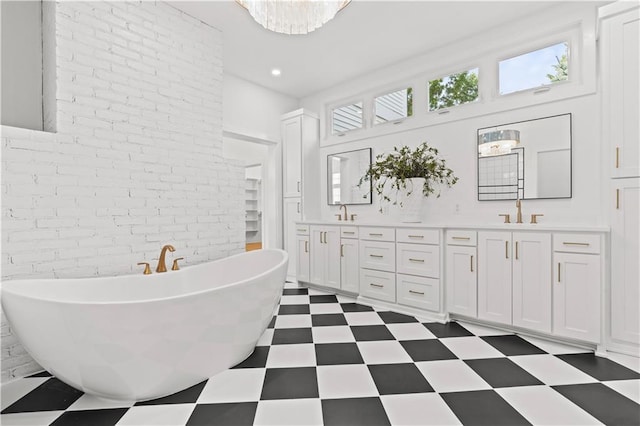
(575, 244)
(341, 250)
(376, 256)
(460, 238)
(617, 198)
(306, 246)
(376, 285)
(506, 249)
(558, 272)
(416, 292)
(348, 232)
(416, 260)
(617, 157)
(375, 235)
(302, 230)
(416, 236)
(471, 263)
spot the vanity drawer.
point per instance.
(418, 236)
(419, 292)
(462, 237)
(576, 243)
(379, 255)
(378, 285)
(348, 232)
(377, 234)
(416, 259)
(302, 229)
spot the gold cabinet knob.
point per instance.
(175, 266)
(534, 217)
(147, 268)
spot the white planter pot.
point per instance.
(411, 201)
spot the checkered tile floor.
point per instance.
(327, 360)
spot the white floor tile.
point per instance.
(13, 391)
(481, 330)
(289, 412)
(554, 348)
(29, 419)
(628, 361)
(346, 299)
(91, 402)
(299, 355)
(418, 409)
(542, 405)
(298, 299)
(240, 385)
(266, 338)
(157, 415)
(363, 318)
(383, 352)
(325, 308)
(551, 370)
(410, 331)
(316, 292)
(451, 376)
(628, 388)
(332, 334)
(471, 348)
(345, 381)
(293, 321)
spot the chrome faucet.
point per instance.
(519, 212)
(162, 267)
(346, 217)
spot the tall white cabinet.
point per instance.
(620, 65)
(300, 171)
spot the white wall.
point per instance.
(137, 160)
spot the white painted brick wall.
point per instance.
(137, 158)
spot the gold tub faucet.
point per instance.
(162, 267)
(346, 217)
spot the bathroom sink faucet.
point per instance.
(519, 212)
(346, 217)
(162, 267)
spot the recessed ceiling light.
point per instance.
(276, 72)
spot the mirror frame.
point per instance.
(329, 174)
(526, 121)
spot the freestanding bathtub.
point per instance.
(139, 337)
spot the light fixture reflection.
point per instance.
(498, 142)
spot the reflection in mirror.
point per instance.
(393, 106)
(346, 118)
(526, 160)
(344, 170)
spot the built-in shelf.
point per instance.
(252, 193)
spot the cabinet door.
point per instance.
(349, 272)
(380, 255)
(625, 267)
(318, 260)
(532, 281)
(291, 157)
(418, 259)
(291, 215)
(332, 256)
(462, 296)
(494, 276)
(302, 269)
(576, 296)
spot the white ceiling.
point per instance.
(365, 36)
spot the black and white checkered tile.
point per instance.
(327, 360)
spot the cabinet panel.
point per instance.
(460, 237)
(378, 255)
(378, 284)
(291, 210)
(462, 280)
(418, 259)
(419, 292)
(377, 234)
(324, 263)
(494, 276)
(349, 269)
(576, 243)
(349, 231)
(302, 256)
(418, 236)
(292, 157)
(532, 281)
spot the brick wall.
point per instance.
(136, 161)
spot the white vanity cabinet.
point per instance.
(378, 263)
(349, 261)
(494, 276)
(576, 288)
(325, 257)
(302, 253)
(461, 272)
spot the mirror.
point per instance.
(527, 160)
(344, 171)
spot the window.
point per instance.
(534, 69)
(346, 118)
(393, 106)
(452, 90)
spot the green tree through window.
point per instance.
(453, 90)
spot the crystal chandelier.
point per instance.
(293, 16)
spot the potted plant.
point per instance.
(403, 171)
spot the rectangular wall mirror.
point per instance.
(344, 171)
(527, 160)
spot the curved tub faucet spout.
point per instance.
(162, 267)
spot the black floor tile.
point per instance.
(338, 353)
(186, 396)
(241, 413)
(107, 417)
(395, 318)
(450, 329)
(328, 319)
(258, 359)
(293, 309)
(355, 307)
(399, 379)
(354, 412)
(603, 403)
(364, 333)
(289, 383)
(323, 298)
(295, 291)
(52, 395)
(482, 408)
(502, 372)
(427, 350)
(284, 336)
(272, 323)
(511, 345)
(598, 367)
(41, 374)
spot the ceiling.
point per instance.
(365, 36)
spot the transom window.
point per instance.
(393, 106)
(454, 89)
(346, 118)
(538, 68)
